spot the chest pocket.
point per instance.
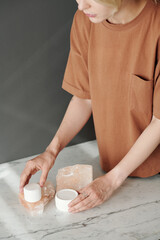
(141, 94)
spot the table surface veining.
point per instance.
(132, 213)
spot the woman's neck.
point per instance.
(129, 10)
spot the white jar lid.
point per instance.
(64, 197)
(32, 192)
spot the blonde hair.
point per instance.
(117, 3)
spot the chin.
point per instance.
(95, 20)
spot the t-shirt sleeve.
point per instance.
(156, 95)
(76, 79)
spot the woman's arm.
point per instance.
(77, 114)
(103, 187)
(140, 151)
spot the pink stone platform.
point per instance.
(37, 208)
(74, 177)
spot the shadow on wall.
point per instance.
(34, 49)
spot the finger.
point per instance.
(80, 204)
(83, 190)
(20, 189)
(27, 181)
(83, 208)
(44, 175)
(77, 200)
(29, 177)
(90, 205)
(25, 176)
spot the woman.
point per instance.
(113, 71)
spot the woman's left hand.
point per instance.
(95, 193)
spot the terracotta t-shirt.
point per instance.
(117, 66)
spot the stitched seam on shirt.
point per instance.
(77, 88)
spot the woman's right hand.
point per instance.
(44, 162)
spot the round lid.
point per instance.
(66, 194)
(64, 197)
(32, 192)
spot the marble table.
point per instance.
(132, 213)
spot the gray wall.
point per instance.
(34, 47)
